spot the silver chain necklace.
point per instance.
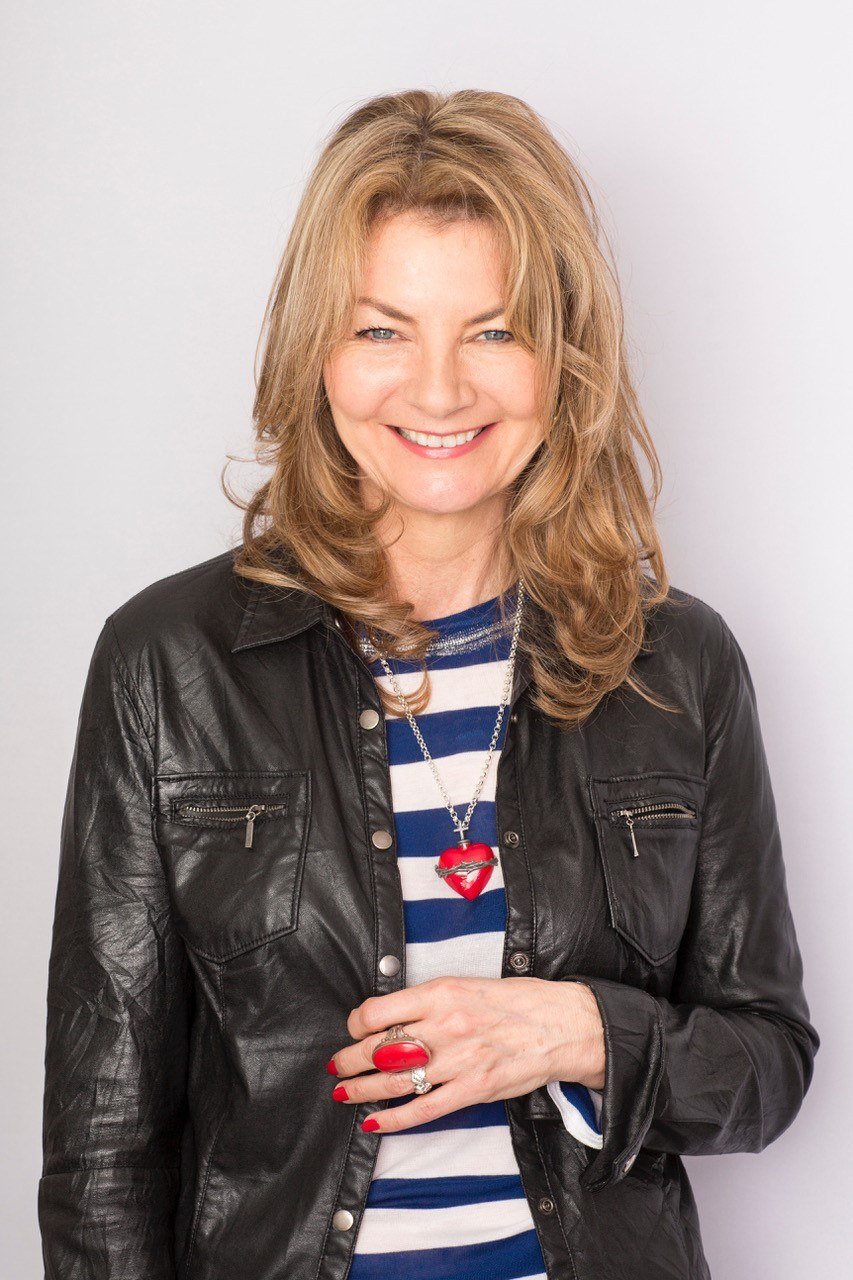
(468, 876)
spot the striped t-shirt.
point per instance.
(446, 1200)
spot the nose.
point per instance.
(438, 386)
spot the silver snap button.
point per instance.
(382, 839)
(519, 960)
(369, 719)
(626, 1168)
(514, 717)
(390, 966)
(511, 838)
(546, 1205)
(339, 624)
(342, 1220)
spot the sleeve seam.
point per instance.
(131, 689)
(709, 699)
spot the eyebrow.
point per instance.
(399, 315)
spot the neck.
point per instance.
(443, 563)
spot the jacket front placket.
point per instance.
(519, 960)
(389, 950)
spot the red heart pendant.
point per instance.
(468, 883)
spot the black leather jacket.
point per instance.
(197, 986)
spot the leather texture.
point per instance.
(197, 986)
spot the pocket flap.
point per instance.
(233, 845)
(647, 828)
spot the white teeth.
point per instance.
(439, 442)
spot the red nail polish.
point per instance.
(339, 1093)
(331, 1068)
(369, 1125)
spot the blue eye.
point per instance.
(503, 334)
(361, 333)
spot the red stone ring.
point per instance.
(398, 1051)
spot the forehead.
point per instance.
(422, 259)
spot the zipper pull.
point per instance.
(250, 823)
(626, 813)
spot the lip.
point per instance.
(438, 451)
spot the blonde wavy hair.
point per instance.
(579, 523)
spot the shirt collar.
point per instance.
(271, 614)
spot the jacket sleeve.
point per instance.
(119, 987)
(724, 1063)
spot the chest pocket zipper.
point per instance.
(232, 813)
(652, 813)
(656, 817)
(227, 902)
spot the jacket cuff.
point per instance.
(634, 1061)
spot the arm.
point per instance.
(117, 1006)
(579, 1069)
(724, 1063)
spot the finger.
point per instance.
(356, 1058)
(376, 1086)
(378, 1013)
(385, 1084)
(429, 1106)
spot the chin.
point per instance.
(442, 504)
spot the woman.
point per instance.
(428, 785)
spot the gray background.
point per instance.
(152, 157)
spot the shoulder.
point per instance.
(684, 630)
(204, 601)
(686, 614)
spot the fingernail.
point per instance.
(369, 1125)
(339, 1093)
(331, 1068)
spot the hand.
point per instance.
(489, 1038)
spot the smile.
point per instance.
(436, 446)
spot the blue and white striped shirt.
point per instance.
(446, 1200)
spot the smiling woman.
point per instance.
(449, 592)
(428, 218)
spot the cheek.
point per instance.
(513, 387)
(355, 387)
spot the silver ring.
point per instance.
(419, 1080)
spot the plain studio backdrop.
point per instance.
(153, 156)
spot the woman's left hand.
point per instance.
(489, 1038)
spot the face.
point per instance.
(426, 365)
